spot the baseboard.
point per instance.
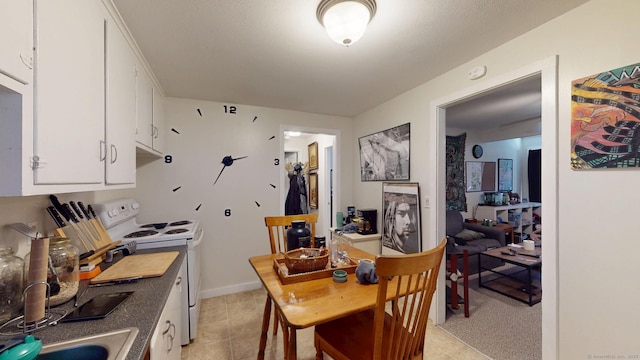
(205, 294)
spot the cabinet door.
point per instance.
(121, 108)
(158, 122)
(69, 92)
(144, 107)
(16, 37)
(165, 341)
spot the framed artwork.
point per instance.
(313, 156)
(480, 176)
(604, 120)
(385, 154)
(313, 190)
(401, 217)
(505, 174)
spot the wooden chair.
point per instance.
(398, 333)
(277, 226)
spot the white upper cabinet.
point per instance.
(121, 108)
(69, 96)
(158, 122)
(16, 40)
(150, 114)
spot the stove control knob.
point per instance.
(135, 206)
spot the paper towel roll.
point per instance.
(36, 296)
(529, 245)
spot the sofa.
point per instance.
(475, 238)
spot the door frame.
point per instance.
(548, 70)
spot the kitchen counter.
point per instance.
(141, 310)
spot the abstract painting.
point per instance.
(454, 159)
(605, 119)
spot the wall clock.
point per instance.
(238, 157)
(477, 151)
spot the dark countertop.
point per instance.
(141, 310)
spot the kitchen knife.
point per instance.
(74, 223)
(84, 210)
(85, 222)
(56, 216)
(67, 230)
(93, 213)
(61, 209)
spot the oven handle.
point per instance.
(199, 236)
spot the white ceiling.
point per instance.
(276, 54)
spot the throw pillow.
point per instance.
(469, 235)
(459, 241)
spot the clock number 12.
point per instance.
(230, 109)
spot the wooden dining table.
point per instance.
(309, 303)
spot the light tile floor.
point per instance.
(229, 329)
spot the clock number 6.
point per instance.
(230, 109)
(227, 212)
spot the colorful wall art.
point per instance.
(605, 119)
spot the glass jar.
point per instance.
(11, 284)
(65, 261)
(298, 235)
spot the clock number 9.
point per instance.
(230, 109)
(227, 212)
(168, 159)
(276, 162)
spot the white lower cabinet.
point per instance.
(165, 341)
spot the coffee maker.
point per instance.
(368, 221)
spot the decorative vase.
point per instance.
(298, 235)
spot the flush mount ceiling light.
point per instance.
(346, 20)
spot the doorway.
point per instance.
(547, 70)
(295, 146)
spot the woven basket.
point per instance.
(317, 260)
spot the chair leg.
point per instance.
(319, 352)
(265, 328)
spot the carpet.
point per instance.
(498, 326)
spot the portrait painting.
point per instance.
(401, 217)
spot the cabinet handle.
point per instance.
(114, 153)
(170, 337)
(103, 150)
(155, 132)
(168, 323)
(27, 61)
(179, 280)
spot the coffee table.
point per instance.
(515, 282)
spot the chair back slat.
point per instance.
(278, 225)
(403, 329)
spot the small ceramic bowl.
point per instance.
(339, 276)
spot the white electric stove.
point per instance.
(119, 218)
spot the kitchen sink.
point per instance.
(113, 345)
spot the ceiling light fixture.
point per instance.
(346, 20)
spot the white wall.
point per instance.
(196, 162)
(596, 244)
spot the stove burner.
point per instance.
(180, 223)
(141, 233)
(176, 231)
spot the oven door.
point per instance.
(192, 311)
